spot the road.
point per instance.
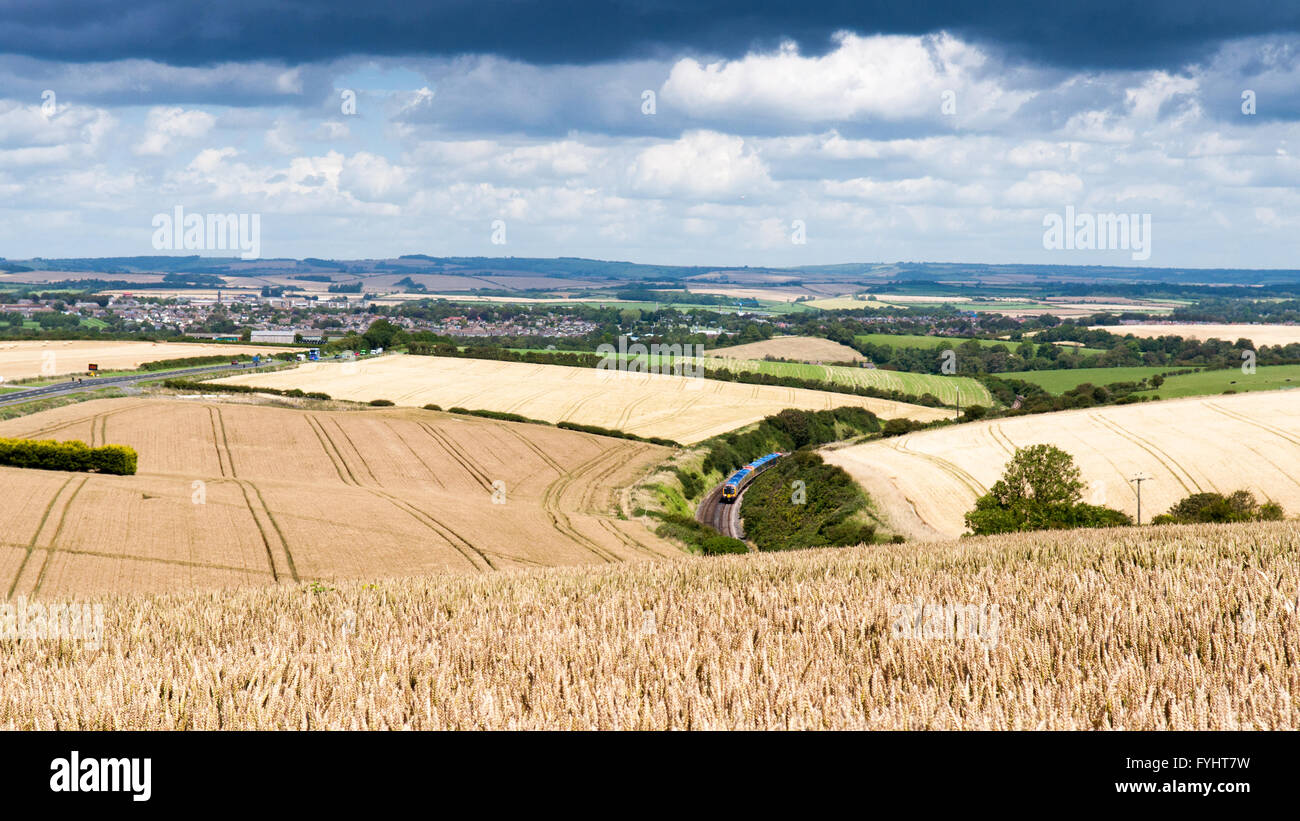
(91, 383)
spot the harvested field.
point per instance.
(237, 494)
(794, 348)
(925, 482)
(27, 359)
(683, 409)
(1184, 628)
(1259, 334)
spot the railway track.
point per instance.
(722, 517)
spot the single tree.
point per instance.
(1040, 490)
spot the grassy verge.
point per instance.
(49, 403)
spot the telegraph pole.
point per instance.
(1138, 480)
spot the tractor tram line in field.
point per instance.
(36, 535)
(462, 545)
(54, 537)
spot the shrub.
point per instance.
(210, 387)
(381, 403)
(700, 536)
(193, 362)
(897, 427)
(47, 454)
(1239, 506)
(617, 434)
(500, 416)
(692, 482)
(822, 517)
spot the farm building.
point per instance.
(277, 337)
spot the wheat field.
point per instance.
(25, 359)
(1259, 334)
(232, 494)
(1136, 629)
(683, 409)
(925, 482)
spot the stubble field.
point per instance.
(239, 494)
(925, 482)
(683, 409)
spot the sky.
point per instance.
(662, 131)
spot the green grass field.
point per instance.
(1060, 381)
(1205, 383)
(924, 341)
(1201, 383)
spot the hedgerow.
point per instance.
(47, 454)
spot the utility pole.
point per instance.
(1138, 480)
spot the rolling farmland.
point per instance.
(1138, 629)
(925, 482)
(238, 494)
(946, 388)
(683, 409)
(27, 359)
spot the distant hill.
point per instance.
(866, 273)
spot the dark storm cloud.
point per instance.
(1082, 34)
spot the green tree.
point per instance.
(381, 334)
(1040, 489)
(1043, 474)
(1239, 506)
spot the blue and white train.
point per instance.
(737, 481)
